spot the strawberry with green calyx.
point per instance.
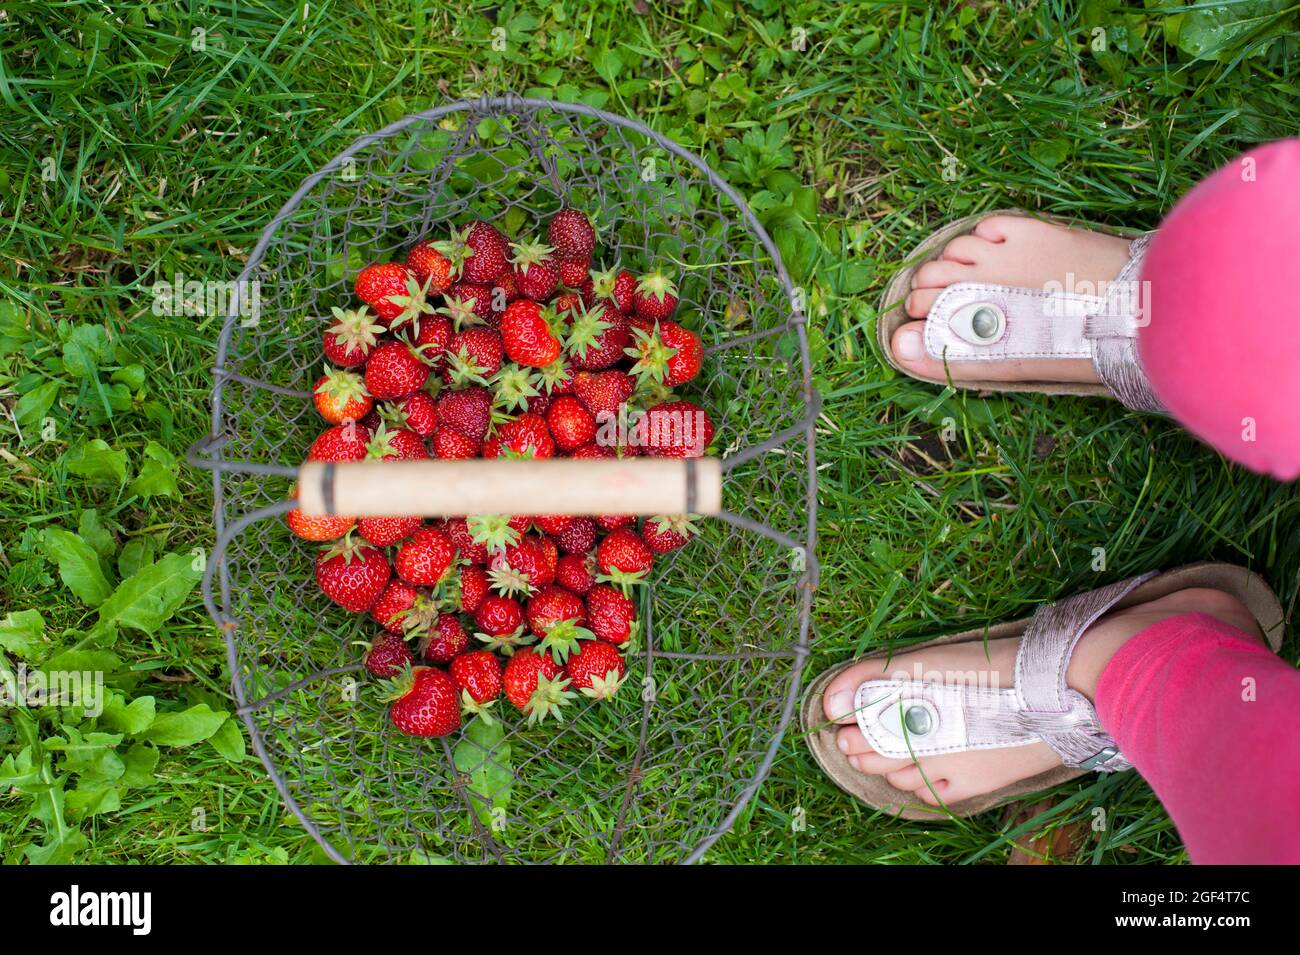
(393, 608)
(534, 269)
(536, 685)
(417, 412)
(444, 640)
(377, 284)
(567, 305)
(556, 378)
(432, 269)
(460, 306)
(598, 339)
(425, 558)
(623, 558)
(668, 354)
(513, 386)
(665, 533)
(425, 702)
(571, 234)
(596, 670)
(395, 444)
(473, 357)
(525, 437)
(611, 615)
(352, 575)
(558, 618)
(655, 297)
(500, 623)
(521, 568)
(431, 341)
(354, 334)
(617, 285)
(493, 532)
(478, 675)
(387, 655)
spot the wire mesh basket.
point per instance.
(652, 776)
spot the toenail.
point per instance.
(853, 761)
(909, 346)
(840, 704)
(843, 744)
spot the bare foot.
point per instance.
(953, 777)
(1015, 251)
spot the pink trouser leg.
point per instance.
(1211, 719)
(1222, 347)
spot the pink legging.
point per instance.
(1211, 719)
(1222, 347)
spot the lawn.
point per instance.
(150, 140)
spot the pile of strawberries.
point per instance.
(475, 346)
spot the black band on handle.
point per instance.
(327, 487)
(690, 486)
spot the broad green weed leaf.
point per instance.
(157, 477)
(78, 565)
(96, 461)
(186, 728)
(148, 598)
(21, 632)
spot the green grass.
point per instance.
(161, 158)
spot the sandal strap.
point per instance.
(926, 714)
(981, 322)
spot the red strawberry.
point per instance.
(603, 391)
(623, 557)
(570, 422)
(450, 444)
(536, 685)
(668, 354)
(447, 639)
(525, 437)
(597, 339)
(459, 530)
(574, 272)
(557, 616)
(527, 332)
(467, 304)
(474, 587)
(505, 284)
(432, 269)
(473, 356)
(567, 304)
(417, 412)
(425, 702)
(478, 676)
(553, 523)
(387, 655)
(478, 253)
(611, 616)
(571, 234)
(432, 340)
(396, 444)
(500, 621)
(675, 429)
(468, 411)
(392, 610)
(394, 370)
(617, 285)
(319, 529)
(425, 558)
(352, 575)
(343, 442)
(392, 292)
(349, 340)
(535, 272)
(593, 450)
(612, 522)
(576, 573)
(655, 297)
(596, 669)
(667, 533)
(387, 531)
(522, 567)
(579, 537)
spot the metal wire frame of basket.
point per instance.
(653, 776)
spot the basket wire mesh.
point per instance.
(656, 775)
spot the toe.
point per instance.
(873, 764)
(940, 274)
(851, 742)
(920, 301)
(998, 228)
(837, 702)
(908, 778)
(931, 795)
(966, 249)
